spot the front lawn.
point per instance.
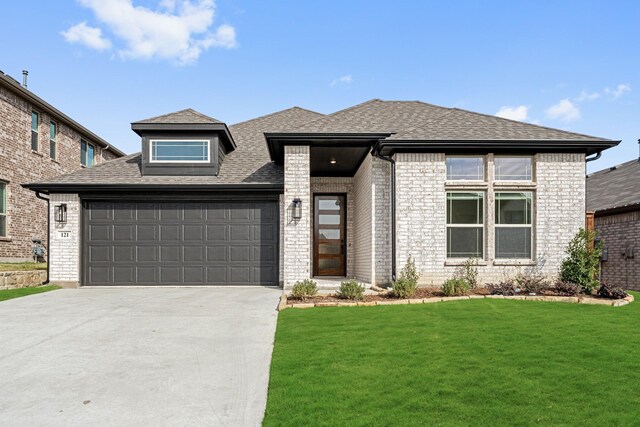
(474, 362)
(20, 266)
(17, 293)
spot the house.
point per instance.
(297, 194)
(613, 194)
(37, 142)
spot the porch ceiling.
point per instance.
(337, 161)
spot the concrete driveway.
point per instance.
(137, 356)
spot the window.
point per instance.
(465, 168)
(179, 151)
(35, 121)
(87, 153)
(53, 131)
(513, 168)
(513, 225)
(3, 209)
(465, 225)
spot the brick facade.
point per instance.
(26, 214)
(621, 232)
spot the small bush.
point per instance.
(305, 289)
(469, 272)
(567, 289)
(351, 289)
(531, 283)
(505, 287)
(607, 291)
(404, 288)
(409, 271)
(583, 261)
(455, 287)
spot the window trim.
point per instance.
(496, 225)
(53, 142)
(482, 225)
(83, 159)
(35, 131)
(467, 156)
(5, 214)
(208, 151)
(523, 181)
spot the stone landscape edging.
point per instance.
(285, 303)
(22, 279)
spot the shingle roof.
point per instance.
(614, 187)
(186, 116)
(416, 120)
(249, 163)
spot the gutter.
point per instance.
(376, 153)
(596, 157)
(39, 196)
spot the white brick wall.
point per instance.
(297, 234)
(64, 243)
(381, 221)
(559, 194)
(363, 227)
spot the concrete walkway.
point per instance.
(136, 356)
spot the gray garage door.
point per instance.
(212, 243)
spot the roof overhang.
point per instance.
(387, 147)
(614, 210)
(227, 139)
(277, 141)
(142, 188)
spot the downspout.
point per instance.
(39, 196)
(591, 159)
(376, 153)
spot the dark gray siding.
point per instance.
(210, 168)
(188, 243)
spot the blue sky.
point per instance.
(573, 65)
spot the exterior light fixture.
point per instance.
(296, 213)
(61, 213)
(333, 161)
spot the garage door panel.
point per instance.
(196, 243)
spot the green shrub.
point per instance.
(455, 286)
(581, 265)
(469, 272)
(404, 288)
(409, 271)
(351, 289)
(305, 289)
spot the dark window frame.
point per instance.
(4, 209)
(84, 153)
(53, 140)
(35, 132)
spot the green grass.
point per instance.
(16, 266)
(17, 293)
(476, 362)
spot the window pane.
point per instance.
(329, 263)
(180, 151)
(90, 155)
(34, 121)
(329, 233)
(3, 225)
(329, 205)
(83, 152)
(513, 168)
(465, 208)
(465, 168)
(513, 208)
(52, 131)
(328, 219)
(52, 149)
(34, 140)
(513, 242)
(3, 198)
(464, 242)
(330, 249)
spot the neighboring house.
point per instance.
(37, 142)
(613, 194)
(297, 194)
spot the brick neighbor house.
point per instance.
(37, 142)
(613, 194)
(298, 194)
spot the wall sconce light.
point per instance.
(296, 213)
(61, 213)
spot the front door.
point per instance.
(329, 235)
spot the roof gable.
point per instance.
(186, 116)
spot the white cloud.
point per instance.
(519, 113)
(177, 31)
(618, 91)
(587, 96)
(344, 80)
(564, 110)
(86, 35)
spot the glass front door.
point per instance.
(329, 235)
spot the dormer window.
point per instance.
(179, 151)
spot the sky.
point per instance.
(572, 65)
